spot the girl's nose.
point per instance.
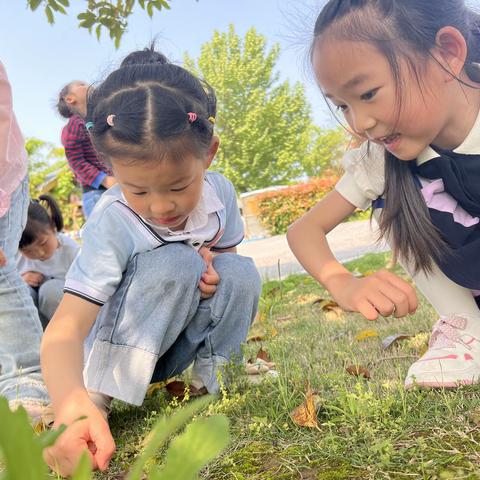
(162, 208)
(363, 123)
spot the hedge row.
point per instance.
(280, 208)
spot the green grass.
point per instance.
(370, 429)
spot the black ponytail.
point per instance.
(41, 219)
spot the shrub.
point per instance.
(279, 209)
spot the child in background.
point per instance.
(45, 255)
(94, 177)
(20, 379)
(157, 284)
(405, 74)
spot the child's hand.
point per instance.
(3, 259)
(380, 293)
(91, 434)
(34, 279)
(210, 279)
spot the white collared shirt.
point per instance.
(114, 234)
(202, 223)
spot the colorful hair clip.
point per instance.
(89, 125)
(211, 120)
(110, 119)
(192, 116)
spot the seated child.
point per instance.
(45, 255)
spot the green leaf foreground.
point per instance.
(202, 441)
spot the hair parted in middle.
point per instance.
(150, 100)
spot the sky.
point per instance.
(41, 58)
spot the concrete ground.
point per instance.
(348, 241)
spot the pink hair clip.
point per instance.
(192, 116)
(110, 120)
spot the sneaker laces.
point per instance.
(446, 333)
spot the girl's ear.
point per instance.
(212, 150)
(69, 99)
(451, 50)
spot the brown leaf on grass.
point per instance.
(264, 355)
(305, 415)
(364, 334)
(391, 339)
(255, 338)
(178, 389)
(331, 309)
(358, 371)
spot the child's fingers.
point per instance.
(63, 457)
(211, 276)
(206, 290)
(398, 298)
(381, 303)
(3, 259)
(367, 309)
(105, 445)
(404, 286)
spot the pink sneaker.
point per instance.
(453, 355)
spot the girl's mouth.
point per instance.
(389, 139)
(166, 220)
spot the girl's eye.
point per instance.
(139, 193)
(369, 95)
(180, 189)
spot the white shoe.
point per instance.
(453, 356)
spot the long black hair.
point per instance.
(143, 110)
(41, 219)
(405, 29)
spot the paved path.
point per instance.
(348, 241)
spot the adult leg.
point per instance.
(89, 199)
(20, 378)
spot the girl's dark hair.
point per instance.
(62, 106)
(144, 57)
(41, 219)
(148, 100)
(405, 29)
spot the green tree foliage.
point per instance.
(49, 173)
(98, 15)
(328, 147)
(264, 124)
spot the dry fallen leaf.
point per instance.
(305, 415)
(331, 309)
(178, 389)
(391, 339)
(264, 355)
(358, 371)
(364, 334)
(255, 338)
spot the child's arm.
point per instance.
(62, 368)
(383, 292)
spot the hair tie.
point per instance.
(110, 119)
(211, 120)
(192, 116)
(89, 125)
